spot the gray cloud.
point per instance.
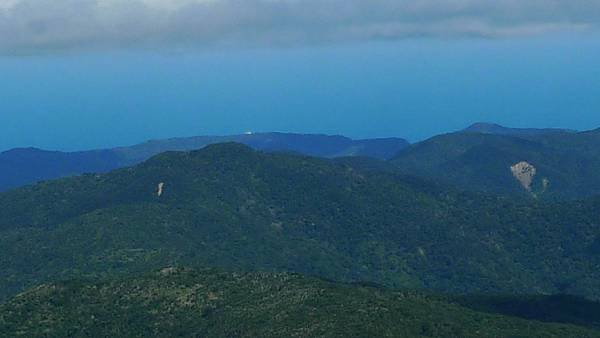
(32, 26)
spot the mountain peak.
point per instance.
(496, 129)
(211, 151)
(485, 127)
(27, 150)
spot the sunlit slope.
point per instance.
(178, 302)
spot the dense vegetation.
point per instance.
(476, 159)
(480, 159)
(19, 167)
(231, 207)
(552, 309)
(185, 303)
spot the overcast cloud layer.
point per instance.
(32, 26)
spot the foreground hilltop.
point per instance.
(232, 207)
(181, 302)
(24, 166)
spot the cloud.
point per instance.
(32, 26)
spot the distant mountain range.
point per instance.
(24, 166)
(522, 162)
(496, 129)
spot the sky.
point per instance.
(83, 74)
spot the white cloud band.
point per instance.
(43, 25)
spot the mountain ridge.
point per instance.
(497, 129)
(22, 166)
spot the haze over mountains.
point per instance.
(496, 129)
(486, 157)
(24, 166)
(350, 219)
(466, 230)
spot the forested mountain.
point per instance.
(177, 302)
(232, 207)
(20, 167)
(554, 164)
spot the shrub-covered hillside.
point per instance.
(183, 303)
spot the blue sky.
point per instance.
(80, 95)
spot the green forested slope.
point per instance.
(546, 308)
(23, 166)
(481, 161)
(179, 302)
(231, 207)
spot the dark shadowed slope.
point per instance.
(232, 207)
(182, 303)
(551, 309)
(20, 167)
